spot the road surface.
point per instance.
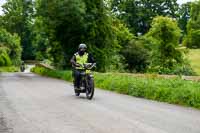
(35, 104)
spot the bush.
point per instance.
(136, 55)
(185, 69)
(165, 35)
(2, 62)
(9, 69)
(193, 28)
(176, 90)
(5, 60)
(11, 45)
(193, 39)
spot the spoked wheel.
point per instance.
(90, 89)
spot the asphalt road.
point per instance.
(35, 104)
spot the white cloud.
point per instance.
(1, 3)
(184, 1)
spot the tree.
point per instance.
(10, 49)
(100, 35)
(40, 39)
(63, 27)
(184, 16)
(138, 15)
(71, 22)
(193, 28)
(165, 33)
(17, 18)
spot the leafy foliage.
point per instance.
(165, 33)
(184, 16)
(4, 59)
(40, 39)
(10, 49)
(17, 18)
(93, 27)
(136, 55)
(9, 69)
(138, 14)
(52, 30)
(193, 27)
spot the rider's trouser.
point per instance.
(77, 77)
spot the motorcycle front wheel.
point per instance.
(90, 89)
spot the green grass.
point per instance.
(194, 58)
(9, 69)
(174, 90)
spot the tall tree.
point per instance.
(184, 16)
(10, 48)
(17, 18)
(193, 28)
(100, 34)
(63, 26)
(138, 15)
(71, 22)
(166, 33)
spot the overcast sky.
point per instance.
(184, 1)
(1, 3)
(179, 1)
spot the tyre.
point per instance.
(76, 93)
(90, 89)
(22, 69)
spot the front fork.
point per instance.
(83, 82)
(89, 77)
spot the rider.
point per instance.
(22, 67)
(79, 58)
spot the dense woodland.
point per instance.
(123, 35)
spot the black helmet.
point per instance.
(82, 46)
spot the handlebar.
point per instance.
(87, 66)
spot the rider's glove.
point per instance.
(77, 65)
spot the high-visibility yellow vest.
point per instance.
(81, 59)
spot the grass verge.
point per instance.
(174, 91)
(9, 69)
(194, 56)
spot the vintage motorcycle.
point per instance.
(87, 81)
(22, 67)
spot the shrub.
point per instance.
(12, 45)
(5, 60)
(9, 69)
(193, 29)
(165, 34)
(136, 55)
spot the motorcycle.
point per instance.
(22, 68)
(87, 81)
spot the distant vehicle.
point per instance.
(22, 67)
